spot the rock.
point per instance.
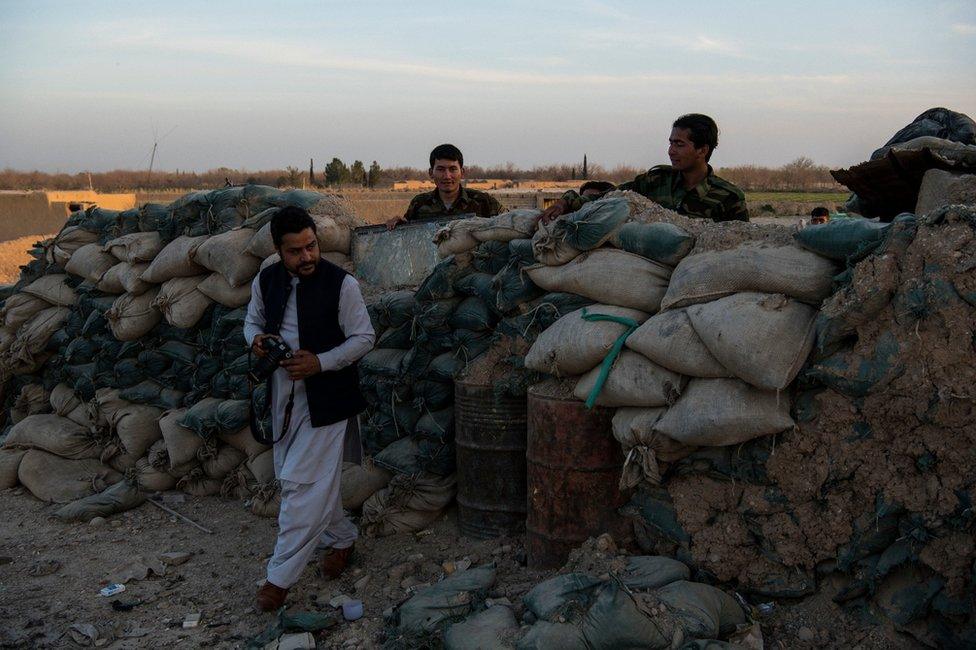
(175, 558)
(605, 544)
(941, 188)
(361, 584)
(43, 568)
(191, 620)
(463, 565)
(97, 521)
(416, 557)
(449, 567)
(115, 523)
(399, 571)
(502, 550)
(805, 634)
(296, 641)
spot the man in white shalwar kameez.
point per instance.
(307, 458)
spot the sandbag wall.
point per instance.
(123, 351)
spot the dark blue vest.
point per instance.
(333, 395)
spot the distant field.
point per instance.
(798, 197)
(13, 253)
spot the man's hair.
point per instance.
(601, 186)
(290, 219)
(446, 152)
(820, 212)
(702, 130)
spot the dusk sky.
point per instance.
(265, 85)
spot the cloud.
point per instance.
(966, 29)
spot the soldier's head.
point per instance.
(693, 139)
(596, 188)
(446, 168)
(293, 234)
(819, 215)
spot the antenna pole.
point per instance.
(151, 159)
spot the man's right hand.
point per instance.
(554, 211)
(392, 223)
(256, 347)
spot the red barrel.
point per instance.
(573, 465)
(489, 436)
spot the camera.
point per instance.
(277, 351)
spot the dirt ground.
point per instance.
(51, 572)
(13, 253)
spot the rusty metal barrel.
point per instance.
(489, 436)
(573, 469)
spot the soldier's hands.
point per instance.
(256, 345)
(553, 212)
(303, 364)
(392, 223)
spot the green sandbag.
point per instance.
(201, 418)
(79, 350)
(555, 596)
(433, 607)
(128, 373)
(154, 217)
(99, 220)
(662, 242)
(399, 338)
(259, 219)
(477, 284)
(417, 359)
(545, 635)
(436, 457)
(386, 363)
(179, 352)
(145, 392)
(615, 621)
(513, 287)
(843, 239)
(379, 432)
(472, 314)
(593, 224)
(520, 252)
(653, 571)
(232, 415)
(486, 630)
(469, 345)
(115, 499)
(395, 308)
(854, 374)
(436, 425)
(706, 612)
(444, 367)
(432, 395)
(440, 283)
(490, 257)
(400, 456)
(541, 314)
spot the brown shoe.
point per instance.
(270, 597)
(335, 562)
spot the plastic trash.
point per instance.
(352, 610)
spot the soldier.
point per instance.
(688, 185)
(449, 197)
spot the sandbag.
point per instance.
(386, 363)
(111, 281)
(32, 400)
(473, 314)
(242, 440)
(763, 339)
(545, 635)
(197, 483)
(70, 239)
(705, 612)
(600, 275)
(443, 602)
(54, 289)
(712, 275)
(552, 597)
(180, 302)
(634, 380)
(721, 412)
(652, 572)
(439, 283)
(137, 426)
(90, 262)
(225, 254)
(135, 247)
(407, 504)
(662, 242)
(130, 275)
(395, 308)
(486, 630)
(549, 247)
(512, 287)
(201, 418)
(360, 482)
(61, 480)
(514, 224)
(106, 404)
(643, 447)
(222, 462)
(332, 236)
(20, 308)
(491, 256)
(32, 337)
(120, 497)
(593, 224)
(152, 479)
(9, 462)
(232, 415)
(668, 339)
(262, 467)
(181, 443)
(400, 456)
(458, 236)
(176, 260)
(843, 239)
(133, 316)
(572, 346)
(615, 620)
(266, 501)
(53, 434)
(436, 425)
(216, 287)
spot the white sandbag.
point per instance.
(105, 405)
(262, 467)
(90, 262)
(53, 434)
(62, 480)
(261, 244)
(550, 248)
(244, 440)
(132, 317)
(221, 463)
(458, 236)
(7, 337)
(360, 482)
(572, 346)
(175, 260)
(135, 247)
(181, 304)
(761, 338)
(9, 462)
(19, 308)
(609, 275)
(643, 447)
(719, 412)
(334, 236)
(711, 275)
(54, 289)
(65, 403)
(634, 380)
(152, 479)
(407, 504)
(181, 443)
(32, 400)
(225, 254)
(341, 260)
(514, 224)
(130, 275)
(669, 340)
(137, 427)
(69, 240)
(32, 337)
(216, 287)
(111, 281)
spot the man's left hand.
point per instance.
(303, 364)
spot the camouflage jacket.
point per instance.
(429, 204)
(714, 198)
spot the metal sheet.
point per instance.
(393, 259)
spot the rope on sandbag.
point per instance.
(611, 357)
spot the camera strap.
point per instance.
(286, 422)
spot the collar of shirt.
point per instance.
(461, 200)
(678, 188)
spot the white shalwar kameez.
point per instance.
(308, 460)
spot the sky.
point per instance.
(259, 85)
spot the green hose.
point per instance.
(611, 357)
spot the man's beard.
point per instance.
(305, 269)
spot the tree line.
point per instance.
(800, 175)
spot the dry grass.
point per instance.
(13, 253)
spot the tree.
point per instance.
(357, 173)
(336, 172)
(373, 178)
(585, 170)
(311, 172)
(294, 177)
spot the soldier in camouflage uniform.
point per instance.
(688, 185)
(449, 198)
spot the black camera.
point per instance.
(277, 351)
